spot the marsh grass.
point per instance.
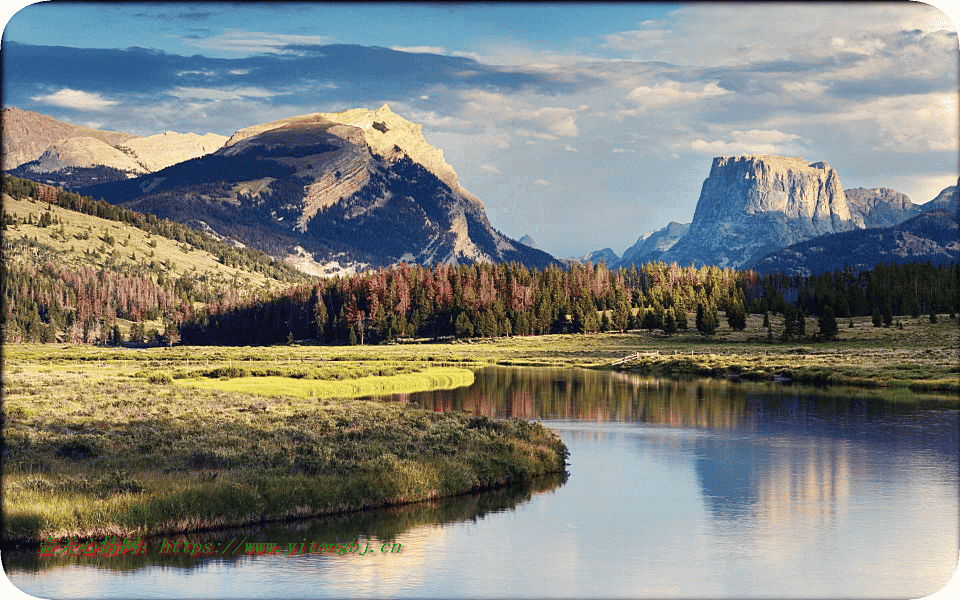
(104, 456)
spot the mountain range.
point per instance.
(332, 193)
(752, 207)
(338, 193)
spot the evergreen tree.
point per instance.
(707, 320)
(827, 322)
(462, 327)
(669, 323)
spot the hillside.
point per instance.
(113, 270)
(930, 237)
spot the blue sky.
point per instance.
(583, 125)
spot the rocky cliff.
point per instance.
(945, 200)
(752, 205)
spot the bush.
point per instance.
(160, 377)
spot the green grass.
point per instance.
(96, 455)
(430, 379)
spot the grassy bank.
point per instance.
(107, 456)
(435, 378)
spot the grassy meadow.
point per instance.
(133, 441)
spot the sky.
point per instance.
(582, 125)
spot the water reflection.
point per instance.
(376, 526)
(603, 396)
(676, 488)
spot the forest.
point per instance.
(50, 303)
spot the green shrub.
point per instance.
(160, 377)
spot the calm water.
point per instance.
(689, 489)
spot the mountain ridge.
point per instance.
(331, 192)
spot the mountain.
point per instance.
(608, 256)
(26, 135)
(931, 236)
(879, 207)
(653, 244)
(945, 200)
(332, 193)
(752, 205)
(526, 240)
(41, 148)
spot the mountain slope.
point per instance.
(27, 134)
(41, 148)
(332, 193)
(651, 245)
(931, 236)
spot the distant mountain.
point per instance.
(608, 256)
(931, 236)
(752, 205)
(945, 200)
(332, 193)
(41, 148)
(526, 240)
(653, 244)
(27, 135)
(879, 207)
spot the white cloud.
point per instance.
(570, 148)
(912, 123)
(207, 73)
(238, 71)
(671, 94)
(490, 169)
(754, 141)
(718, 34)
(492, 107)
(541, 182)
(255, 42)
(75, 99)
(220, 94)
(534, 134)
(618, 150)
(420, 49)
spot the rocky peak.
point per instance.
(752, 204)
(391, 136)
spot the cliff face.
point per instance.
(752, 205)
(879, 207)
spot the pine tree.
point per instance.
(827, 322)
(707, 320)
(669, 323)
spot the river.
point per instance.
(697, 488)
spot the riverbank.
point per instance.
(128, 441)
(93, 450)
